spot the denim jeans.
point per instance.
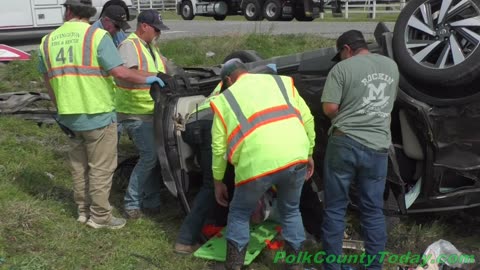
(289, 183)
(198, 135)
(144, 186)
(346, 161)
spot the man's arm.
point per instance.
(332, 92)
(49, 89)
(42, 69)
(130, 75)
(330, 109)
(219, 148)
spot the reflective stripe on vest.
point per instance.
(247, 126)
(76, 70)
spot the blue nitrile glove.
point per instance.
(153, 79)
(273, 67)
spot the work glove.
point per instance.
(154, 79)
(273, 67)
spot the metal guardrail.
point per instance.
(154, 4)
(371, 7)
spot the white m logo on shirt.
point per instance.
(376, 93)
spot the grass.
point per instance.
(328, 17)
(37, 214)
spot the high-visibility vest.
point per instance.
(203, 112)
(80, 85)
(265, 132)
(135, 98)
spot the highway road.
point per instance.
(180, 28)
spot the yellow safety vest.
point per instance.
(265, 134)
(135, 98)
(80, 85)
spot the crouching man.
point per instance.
(266, 131)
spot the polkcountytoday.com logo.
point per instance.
(305, 257)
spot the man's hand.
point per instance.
(310, 168)
(154, 79)
(221, 193)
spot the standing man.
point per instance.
(358, 97)
(249, 126)
(135, 113)
(114, 21)
(76, 61)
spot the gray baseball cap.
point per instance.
(82, 3)
(231, 66)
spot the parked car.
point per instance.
(434, 162)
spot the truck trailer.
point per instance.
(32, 18)
(253, 10)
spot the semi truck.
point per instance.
(32, 18)
(253, 10)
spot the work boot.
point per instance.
(133, 213)
(235, 258)
(290, 251)
(185, 249)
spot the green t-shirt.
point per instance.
(365, 87)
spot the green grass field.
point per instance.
(37, 214)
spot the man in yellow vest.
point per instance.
(77, 61)
(135, 113)
(266, 131)
(198, 135)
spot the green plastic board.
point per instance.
(216, 247)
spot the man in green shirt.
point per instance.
(358, 97)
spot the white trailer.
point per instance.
(32, 18)
(253, 10)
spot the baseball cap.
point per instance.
(117, 15)
(349, 38)
(84, 3)
(152, 18)
(230, 66)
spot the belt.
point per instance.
(338, 132)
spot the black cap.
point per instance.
(152, 18)
(350, 38)
(118, 16)
(231, 66)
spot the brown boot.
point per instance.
(290, 251)
(235, 258)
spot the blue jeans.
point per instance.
(144, 186)
(289, 183)
(205, 199)
(347, 160)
